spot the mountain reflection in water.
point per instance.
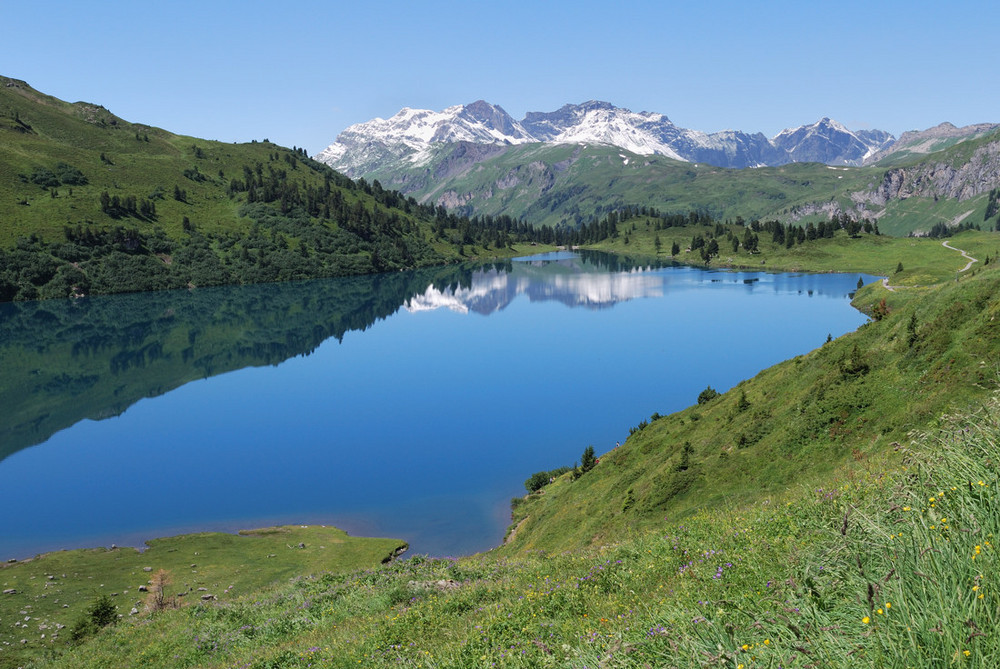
(572, 284)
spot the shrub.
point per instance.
(539, 480)
(44, 178)
(707, 395)
(101, 614)
(70, 176)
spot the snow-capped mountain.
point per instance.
(595, 122)
(827, 141)
(364, 147)
(409, 136)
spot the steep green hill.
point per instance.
(91, 203)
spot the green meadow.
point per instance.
(46, 596)
(925, 261)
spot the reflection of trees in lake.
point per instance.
(65, 360)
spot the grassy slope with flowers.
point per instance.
(826, 536)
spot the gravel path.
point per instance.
(964, 255)
(892, 289)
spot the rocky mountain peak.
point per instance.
(829, 141)
(493, 117)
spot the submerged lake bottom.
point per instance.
(412, 405)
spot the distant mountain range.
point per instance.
(571, 165)
(409, 135)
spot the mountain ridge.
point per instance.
(577, 168)
(408, 135)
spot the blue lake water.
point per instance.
(411, 405)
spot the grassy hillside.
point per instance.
(48, 595)
(90, 203)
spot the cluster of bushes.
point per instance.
(539, 480)
(64, 174)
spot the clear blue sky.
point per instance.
(300, 72)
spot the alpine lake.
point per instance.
(411, 405)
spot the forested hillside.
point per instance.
(91, 203)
